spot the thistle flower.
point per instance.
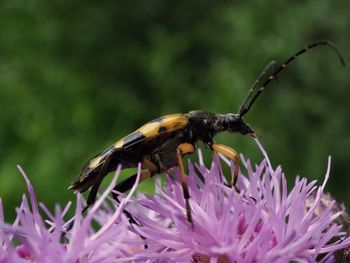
(263, 223)
(43, 240)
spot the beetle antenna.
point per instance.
(258, 80)
(247, 104)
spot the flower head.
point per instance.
(48, 241)
(263, 223)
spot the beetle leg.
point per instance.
(128, 183)
(233, 155)
(149, 165)
(183, 149)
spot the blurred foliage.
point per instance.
(77, 75)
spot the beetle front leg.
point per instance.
(182, 149)
(233, 155)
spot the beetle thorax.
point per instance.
(204, 125)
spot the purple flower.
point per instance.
(263, 223)
(43, 240)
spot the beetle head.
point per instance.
(235, 123)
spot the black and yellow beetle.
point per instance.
(160, 144)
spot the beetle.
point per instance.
(161, 143)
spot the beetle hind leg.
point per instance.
(127, 184)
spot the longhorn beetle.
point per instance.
(161, 144)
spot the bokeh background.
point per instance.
(77, 75)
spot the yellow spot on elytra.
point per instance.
(170, 123)
(95, 162)
(119, 144)
(150, 129)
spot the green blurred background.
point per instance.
(77, 75)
